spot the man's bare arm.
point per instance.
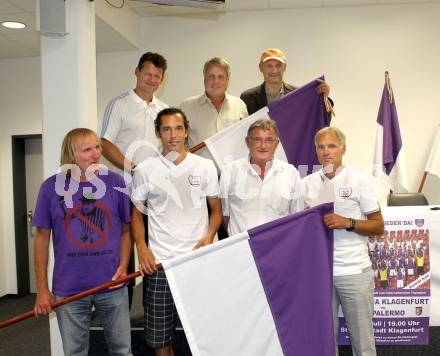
(41, 259)
(373, 226)
(215, 220)
(113, 154)
(126, 248)
(147, 261)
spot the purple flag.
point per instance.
(294, 257)
(388, 153)
(299, 115)
(387, 118)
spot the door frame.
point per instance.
(20, 211)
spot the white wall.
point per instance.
(20, 103)
(351, 46)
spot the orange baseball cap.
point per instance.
(273, 53)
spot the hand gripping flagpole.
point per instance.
(72, 298)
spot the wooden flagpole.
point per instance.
(83, 294)
(197, 147)
(422, 183)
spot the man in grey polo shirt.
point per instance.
(356, 216)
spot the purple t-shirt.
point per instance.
(86, 222)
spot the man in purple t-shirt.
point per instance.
(88, 214)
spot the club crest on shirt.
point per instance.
(194, 180)
(344, 192)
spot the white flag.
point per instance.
(221, 302)
(229, 144)
(433, 164)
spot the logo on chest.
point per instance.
(195, 180)
(345, 192)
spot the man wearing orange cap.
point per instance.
(272, 66)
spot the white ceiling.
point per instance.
(147, 9)
(26, 42)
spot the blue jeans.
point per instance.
(74, 323)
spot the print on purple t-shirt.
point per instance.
(86, 236)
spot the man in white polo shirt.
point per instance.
(356, 216)
(258, 188)
(176, 187)
(130, 116)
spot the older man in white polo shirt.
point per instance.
(258, 188)
(356, 216)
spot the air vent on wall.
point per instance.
(190, 3)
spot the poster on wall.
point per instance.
(400, 261)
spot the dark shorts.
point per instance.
(160, 315)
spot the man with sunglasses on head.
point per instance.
(258, 188)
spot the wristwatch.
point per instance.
(352, 225)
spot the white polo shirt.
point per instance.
(176, 202)
(205, 120)
(353, 197)
(249, 201)
(128, 118)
